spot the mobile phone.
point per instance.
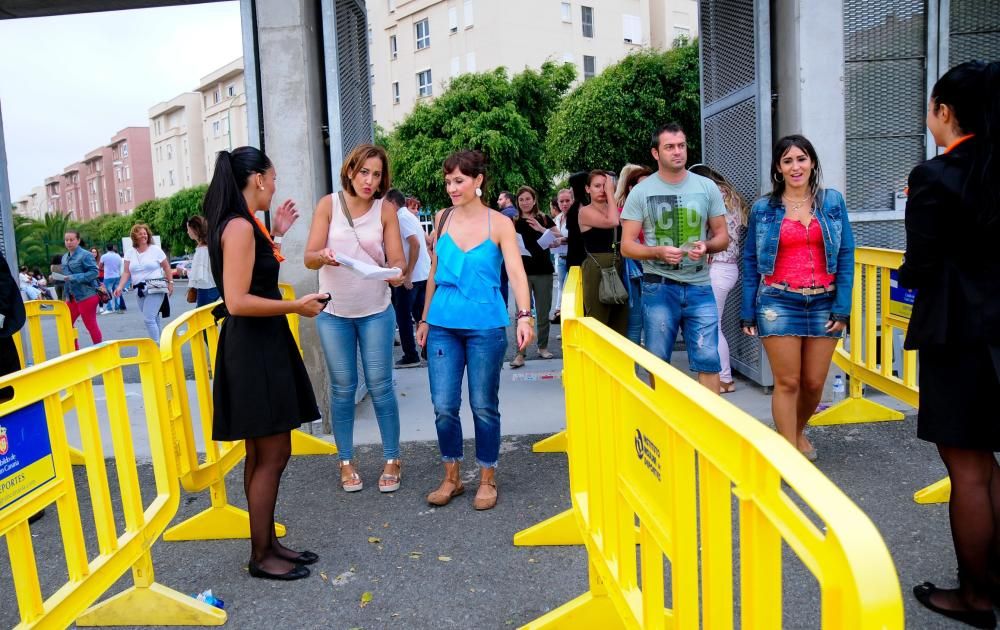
(325, 300)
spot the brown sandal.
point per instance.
(727, 388)
(450, 488)
(351, 482)
(392, 479)
(486, 500)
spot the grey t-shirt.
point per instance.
(675, 215)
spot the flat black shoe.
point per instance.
(297, 573)
(975, 618)
(37, 516)
(306, 557)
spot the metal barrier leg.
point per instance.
(561, 529)
(593, 609)
(938, 492)
(553, 444)
(221, 521)
(150, 604)
(305, 444)
(853, 411)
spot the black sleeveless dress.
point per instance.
(261, 386)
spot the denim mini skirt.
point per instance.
(784, 313)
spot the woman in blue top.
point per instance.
(80, 270)
(464, 323)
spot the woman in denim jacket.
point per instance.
(80, 289)
(798, 270)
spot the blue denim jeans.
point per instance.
(206, 296)
(635, 311)
(668, 306)
(116, 303)
(409, 307)
(450, 352)
(341, 337)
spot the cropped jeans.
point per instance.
(479, 353)
(340, 338)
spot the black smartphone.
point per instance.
(325, 300)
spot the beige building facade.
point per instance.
(417, 46)
(177, 144)
(33, 205)
(224, 112)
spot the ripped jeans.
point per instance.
(668, 305)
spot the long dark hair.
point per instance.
(224, 199)
(972, 91)
(780, 149)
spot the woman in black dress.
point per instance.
(952, 227)
(261, 389)
(531, 224)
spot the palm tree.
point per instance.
(37, 241)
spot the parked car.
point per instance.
(180, 268)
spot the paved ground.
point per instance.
(454, 567)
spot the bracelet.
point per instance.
(423, 321)
(277, 239)
(522, 314)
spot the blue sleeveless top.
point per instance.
(467, 285)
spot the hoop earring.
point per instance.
(775, 177)
(479, 192)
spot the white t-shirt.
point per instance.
(145, 266)
(112, 265)
(410, 226)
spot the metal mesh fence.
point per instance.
(885, 48)
(354, 74)
(727, 40)
(974, 31)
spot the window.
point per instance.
(456, 66)
(395, 92)
(170, 174)
(118, 173)
(470, 62)
(93, 187)
(159, 154)
(424, 85)
(121, 196)
(215, 128)
(187, 174)
(128, 175)
(632, 29)
(468, 13)
(128, 194)
(158, 129)
(681, 32)
(453, 19)
(170, 151)
(216, 96)
(393, 47)
(231, 90)
(124, 149)
(225, 125)
(423, 28)
(566, 11)
(589, 67)
(587, 20)
(185, 143)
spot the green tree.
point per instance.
(37, 241)
(171, 219)
(506, 119)
(607, 121)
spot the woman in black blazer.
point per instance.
(952, 232)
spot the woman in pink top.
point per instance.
(359, 316)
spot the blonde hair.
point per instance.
(134, 234)
(353, 162)
(627, 170)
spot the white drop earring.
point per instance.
(479, 192)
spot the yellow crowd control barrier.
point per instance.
(556, 443)
(864, 364)
(36, 312)
(673, 455)
(870, 358)
(37, 473)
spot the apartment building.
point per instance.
(133, 168)
(33, 205)
(416, 46)
(224, 112)
(74, 192)
(100, 185)
(177, 143)
(53, 195)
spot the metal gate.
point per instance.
(348, 78)
(736, 129)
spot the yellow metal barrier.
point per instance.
(673, 455)
(36, 312)
(864, 364)
(302, 442)
(37, 473)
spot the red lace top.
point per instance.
(801, 259)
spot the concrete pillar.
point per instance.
(292, 102)
(6, 216)
(808, 60)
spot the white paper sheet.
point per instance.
(520, 245)
(545, 240)
(367, 270)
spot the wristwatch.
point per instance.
(277, 239)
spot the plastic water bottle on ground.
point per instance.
(211, 600)
(839, 390)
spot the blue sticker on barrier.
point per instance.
(26, 462)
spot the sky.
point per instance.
(69, 83)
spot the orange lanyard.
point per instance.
(267, 235)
